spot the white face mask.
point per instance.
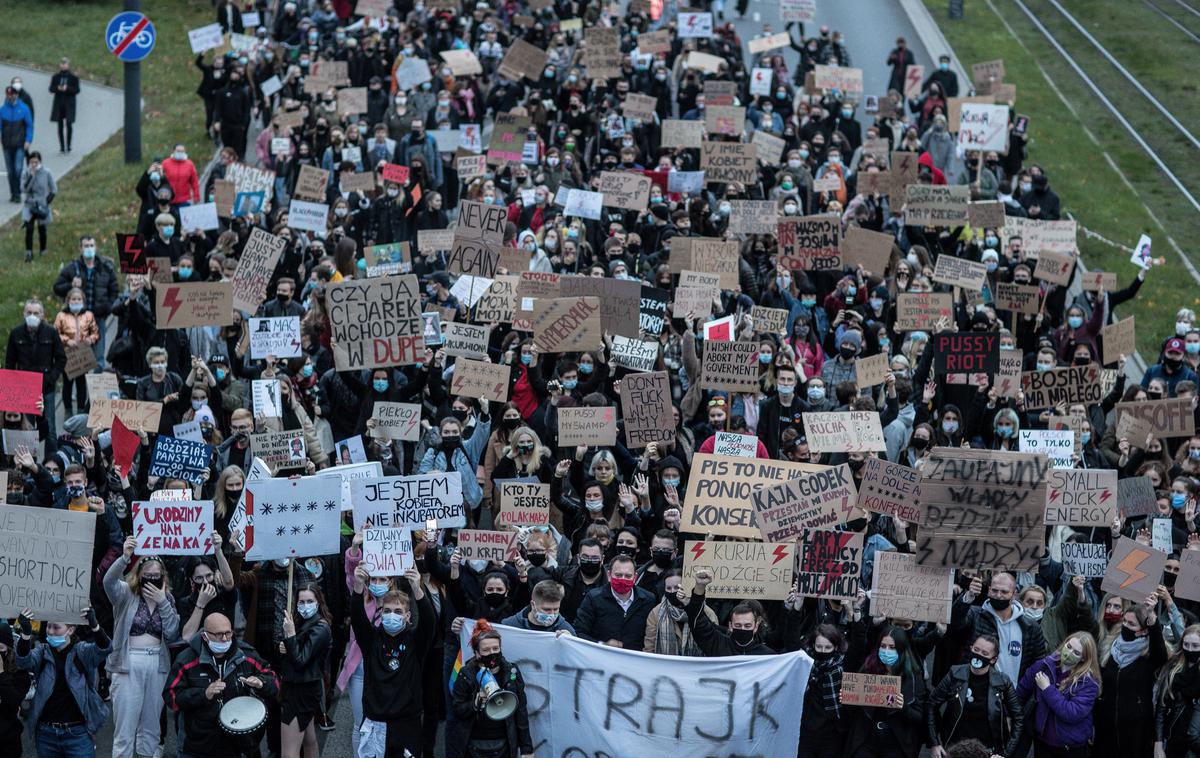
(1181, 328)
(159, 368)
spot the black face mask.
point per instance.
(1000, 604)
(848, 352)
(742, 637)
(1127, 634)
(489, 661)
(449, 443)
(459, 414)
(536, 559)
(421, 565)
(1082, 360)
(282, 298)
(662, 558)
(918, 443)
(674, 600)
(1173, 363)
(1168, 579)
(820, 656)
(1192, 657)
(156, 583)
(510, 423)
(232, 496)
(626, 550)
(494, 599)
(589, 569)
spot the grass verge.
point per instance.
(97, 196)
(1091, 189)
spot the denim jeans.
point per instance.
(50, 412)
(72, 742)
(100, 345)
(14, 161)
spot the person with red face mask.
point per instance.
(615, 613)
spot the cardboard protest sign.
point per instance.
(411, 501)
(830, 564)
(312, 183)
(478, 237)
(189, 430)
(1136, 497)
(982, 509)
(625, 189)
(1056, 444)
(844, 432)
(1119, 339)
(966, 352)
(291, 518)
(769, 320)
(103, 385)
(396, 421)
(740, 569)
(177, 306)
(387, 551)
(873, 690)
(693, 301)
(901, 589)
(376, 322)
(1187, 585)
(602, 53)
(498, 302)
(1161, 538)
(487, 381)
(726, 120)
(707, 255)
(81, 359)
(983, 127)
(181, 459)
(1086, 559)
(205, 38)
(655, 42)
(870, 250)
(1007, 380)
(820, 498)
(652, 310)
(640, 107)
(848, 81)
(309, 217)
(466, 340)
(1081, 497)
(923, 311)
(165, 527)
(1170, 417)
(267, 398)
(255, 268)
(767, 146)
(645, 408)
(1073, 384)
(769, 42)
(524, 504)
(280, 450)
(720, 491)
(695, 25)
(278, 336)
(635, 355)
(679, 133)
(871, 371)
(15, 439)
(587, 425)
(985, 75)
(724, 162)
(943, 205)
(134, 414)
(1099, 281)
(1134, 570)
(362, 182)
(730, 366)
(798, 10)
(523, 60)
(913, 77)
(811, 243)
(483, 545)
(52, 548)
(735, 444)
(986, 214)
(619, 300)
(198, 217)
(891, 489)
(1054, 267)
(568, 324)
(959, 272)
(753, 217)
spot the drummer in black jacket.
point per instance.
(214, 669)
(393, 654)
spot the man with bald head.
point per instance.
(1001, 615)
(213, 669)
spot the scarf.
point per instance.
(827, 676)
(1125, 653)
(672, 642)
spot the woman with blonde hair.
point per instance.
(524, 456)
(145, 622)
(1066, 685)
(226, 494)
(1175, 696)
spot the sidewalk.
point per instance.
(99, 113)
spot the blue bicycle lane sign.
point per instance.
(129, 36)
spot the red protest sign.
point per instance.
(131, 251)
(125, 444)
(394, 172)
(20, 391)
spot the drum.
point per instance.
(243, 715)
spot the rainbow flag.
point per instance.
(457, 668)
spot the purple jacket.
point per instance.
(1063, 719)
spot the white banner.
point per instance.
(410, 501)
(292, 518)
(586, 699)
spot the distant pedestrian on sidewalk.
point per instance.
(16, 135)
(39, 187)
(65, 87)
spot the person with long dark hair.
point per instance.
(894, 732)
(307, 638)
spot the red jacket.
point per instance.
(184, 181)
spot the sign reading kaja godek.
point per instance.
(410, 501)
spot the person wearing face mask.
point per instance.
(145, 623)
(214, 668)
(544, 613)
(394, 648)
(472, 731)
(1002, 617)
(1129, 658)
(232, 110)
(742, 636)
(77, 329)
(35, 346)
(180, 173)
(307, 639)
(1171, 367)
(161, 384)
(453, 454)
(842, 368)
(615, 613)
(96, 276)
(975, 701)
(667, 628)
(577, 578)
(898, 730)
(1067, 685)
(1175, 697)
(67, 711)
(651, 574)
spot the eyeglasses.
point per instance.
(218, 635)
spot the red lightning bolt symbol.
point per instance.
(171, 300)
(697, 550)
(1105, 495)
(129, 247)
(140, 528)
(780, 554)
(914, 76)
(1053, 495)
(1129, 564)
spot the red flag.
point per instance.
(125, 444)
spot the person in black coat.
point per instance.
(65, 87)
(14, 683)
(602, 619)
(1177, 719)
(1129, 659)
(899, 59)
(898, 731)
(472, 727)
(215, 77)
(975, 701)
(35, 346)
(744, 625)
(231, 112)
(1041, 202)
(305, 649)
